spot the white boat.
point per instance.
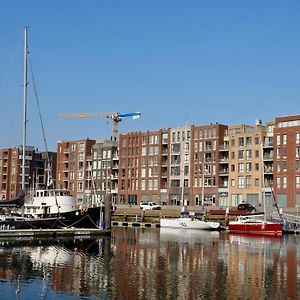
(189, 223)
(49, 203)
(44, 208)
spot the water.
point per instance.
(137, 263)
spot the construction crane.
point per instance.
(115, 116)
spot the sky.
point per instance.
(192, 61)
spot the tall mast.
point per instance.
(25, 83)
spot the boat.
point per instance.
(49, 207)
(188, 223)
(253, 225)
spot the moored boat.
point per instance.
(189, 223)
(252, 225)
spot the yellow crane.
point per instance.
(115, 116)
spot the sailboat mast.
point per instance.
(25, 83)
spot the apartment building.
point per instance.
(11, 169)
(9, 173)
(74, 168)
(245, 164)
(105, 169)
(287, 161)
(140, 167)
(207, 163)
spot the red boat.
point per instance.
(250, 225)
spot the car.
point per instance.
(150, 206)
(246, 206)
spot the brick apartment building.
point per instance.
(74, 168)
(11, 169)
(287, 161)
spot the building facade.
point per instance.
(287, 160)
(74, 168)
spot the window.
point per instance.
(241, 154)
(248, 182)
(278, 182)
(248, 141)
(256, 141)
(278, 166)
(143, 184)
(248, 154)
(278, 140)
(240, 168)
(143, 174)
(256, 182)
(248, 167)
(284, 151)
(241, 182)
(284, 139)
(257, 167)
(256, 153)
(175, 171)
(175, 148)
(232, 168)
(297, 138)
(284, 166)
(232, 143)
(232, 182)
(241, 142)
(80, 187)
(278, 152)
(297, 152)
(232, 155)
(284, 182)
(297, 182)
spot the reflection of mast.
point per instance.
(202, 187)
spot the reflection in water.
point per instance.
(138, 263)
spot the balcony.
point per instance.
(268, 157)
(164, 152)
(268, 170)
(268, 145)
(223, 147)
(223, 160)
(224, 172)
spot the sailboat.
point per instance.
(44, 208)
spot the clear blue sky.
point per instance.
(205, 61)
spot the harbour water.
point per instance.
(152, 263)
